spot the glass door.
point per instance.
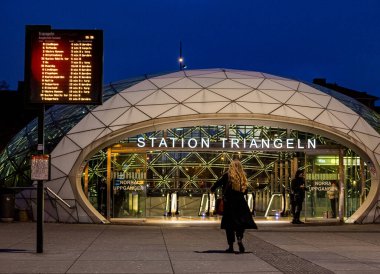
(321, 172)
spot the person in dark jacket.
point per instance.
(237, 216)
(297, 196)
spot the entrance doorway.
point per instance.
(127, 181)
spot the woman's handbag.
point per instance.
(219, 206)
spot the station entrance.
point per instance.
(169, 172)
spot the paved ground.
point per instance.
(189, 248)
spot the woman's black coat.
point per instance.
(236, 211)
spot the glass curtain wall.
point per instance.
(124, 180)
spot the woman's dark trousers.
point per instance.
(230, 233)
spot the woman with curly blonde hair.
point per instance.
(237, 216)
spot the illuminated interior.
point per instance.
(142, 181)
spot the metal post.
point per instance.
(109, 170)
(40, 184)
(180, 56)
(341, 187)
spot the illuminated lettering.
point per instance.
(163, 143)
(277, 143)
(223, 142)
(194, 141)
(290, 143)
(152, 139)
(141, 142)
(253, 144)
(312, 143)
(234, 143)
(205, 142)
(299, 144)
(265, 143)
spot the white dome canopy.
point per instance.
(218, 96)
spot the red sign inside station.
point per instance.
(64, 66)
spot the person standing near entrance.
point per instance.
(297, 196)
(333, 195)
(236, 216)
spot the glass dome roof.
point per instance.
(185, 93)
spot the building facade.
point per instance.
(157, 144)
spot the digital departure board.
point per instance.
(64, 66)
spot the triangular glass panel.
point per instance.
(353, 135)
(207, 107)
(84, 138)
(205, 96)
(56, 173)
(363, 126)
(280, 95)
(310, 113)
(233, 108)
(338, 106)
(144, 85)
(181, 94)
(347, 119)
(231, 94)
(66, 191)
(300, 100)
(64, 146)
(56, 185)
(65, 162)
(105, 132)
(287, 83)
(322, 100)
(178, 110)
(228, 84)
(65, 217)
(269, 84)
(326, 118)
(157, 98)
(305, 88)
(377, 149)
(131, 116)
(83, 217)
(163, 82)
(206, 82)
(134, 97)
(252, 82)
(155, 110)
(256, 96)
(87, 123)
(184, 83)
(287, 112)
(108, 116)
(260, 108)
(368, 140)
(115, 101)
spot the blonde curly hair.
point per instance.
(237, 177)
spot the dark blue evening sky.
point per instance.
(334, 39)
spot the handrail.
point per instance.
(59, 198)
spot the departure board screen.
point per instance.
(64, 66)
